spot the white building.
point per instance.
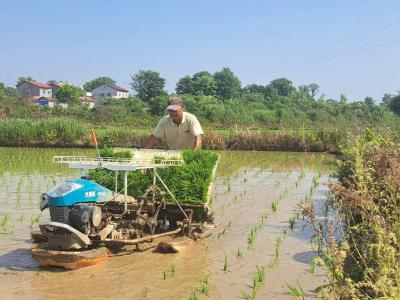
(109, 90)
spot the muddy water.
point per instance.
(246, 185)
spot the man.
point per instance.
(181, 129)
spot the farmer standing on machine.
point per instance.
(182, 130)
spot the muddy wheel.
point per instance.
(69, 259)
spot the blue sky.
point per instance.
(350, 47)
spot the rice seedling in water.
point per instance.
(245, 295)
(239, 253)
(225, 262)
(296, 291)
(5, 219)
(35, 219)
(257, 280)
(21, 219)
(164, 275)
(172, 269)
(260, 274)
(277, 247)
(192, 296)
(292, 221)
(204, 285)
(274, 206)
(251, 238)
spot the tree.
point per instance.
(148, 85)
(254, 89)
(369, 101)
(394, 104)
(227, 85)
(91, 85)
(313, 88)
(24, 78)
(69, 94)
(185, 86)
(386, 99)
(203, 84)
(343, 99)
(282, 86)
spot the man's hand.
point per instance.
(197, 142)
(150, 142)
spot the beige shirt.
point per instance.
(178, 136)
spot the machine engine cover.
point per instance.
(73, 191)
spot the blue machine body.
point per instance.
(73, 191)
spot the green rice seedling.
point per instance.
(245, 295)
(263, 219)
(35, 219)
(254, 288)
(192, 296)
(274, 206)
(244, 180)
(146, 290)
(204, 285)
(260, 274)
(225, 262)
(296, 291)
(164, 275)
(239, 253)
(292, 221)
(251, 238)
(5, 219)
(172, 269)
(277, 247)
(21, 219)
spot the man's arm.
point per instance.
(158, 133)
(150, 142)
(197, 142)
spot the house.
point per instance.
(29, 89)
(43, 101)
(89, 101)
(109, 90)
(55, 86)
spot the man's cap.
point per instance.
(174, 103)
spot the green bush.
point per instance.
(367, 199)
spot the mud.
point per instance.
(246, 185)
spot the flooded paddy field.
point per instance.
(260, 234)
